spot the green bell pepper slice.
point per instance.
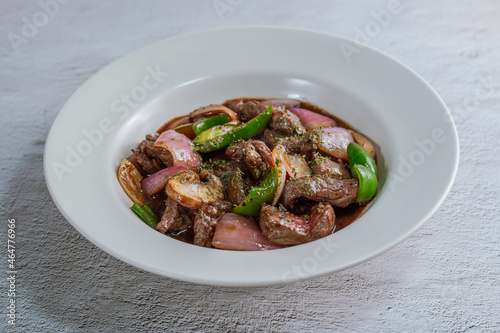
(358, 155)
(364, 168)
(264, 193)
(368, 182)
(214, 140)
(215, 133)
(146, 214)
(204, 124)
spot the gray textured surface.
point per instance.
(444, 278)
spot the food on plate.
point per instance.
(251, 174)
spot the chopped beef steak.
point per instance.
(254, 153)
(338, 192)
(285, 228)
(206, 220)
(174, 218)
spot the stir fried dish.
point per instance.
(251, 174)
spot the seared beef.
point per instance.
(206, 220)
(246, 110)
(236, 187)
(323, 166)
(284, 228)
(254, 153)
(234, 104)
(145, 164)
(286, 122)
(147, 146)
(338, 192)
(175, 218)
(296, 144)
(148, 158)
(222, 167)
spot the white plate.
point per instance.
(418, 144)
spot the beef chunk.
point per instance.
(222, 167)
(254, 153)
(236, 187)
(295, 144)
(175, 218)
(206, 220)
(338, 192)
(285, 228)
(323, 166)
(150, 159)
(234, 104)
(286, 122)
(246, 110)
(145, 164)
(162, 154)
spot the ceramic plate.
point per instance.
(382, 98)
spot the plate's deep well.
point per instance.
(418, 145)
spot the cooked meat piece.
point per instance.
(145, 164)
(272, 137)
(206, 220)
(323, 166)
(234, 104)
(148, 158)
(338, 192)
(222, 167)
(236, 187)
(285, 228)
(175, 218)
(147, 146)
(246, 110)
(254, 153)
(296, 144)
(286, 122)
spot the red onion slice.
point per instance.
(235, 232)
(181, 148)
(157, 182)
(334, 141)
(287, 103)
(280, 161)
(312, 119)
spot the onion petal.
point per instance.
(287, 103)
(299, 166)
(155, 183)
(363, 142)
(174, 123)
(130, 180)
(280, 161)
(334, 141)
(312, 119)
(236, 232)
(181, 148)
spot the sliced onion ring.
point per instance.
(312, 120)
(363, 142)
(174, 123)
(130, 180)
(181, 148)
(213, 110)
(334, 141)
(299, 166)
(236, 232)
(156, 182)
(287, 103)
(280, 161)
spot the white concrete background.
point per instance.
(444, 278)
